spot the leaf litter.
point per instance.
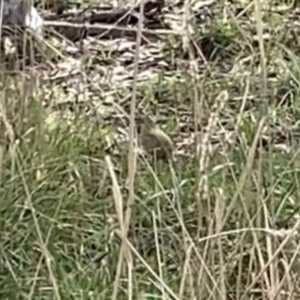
(95, 71)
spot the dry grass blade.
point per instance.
(246, 171)
(124, 251)
(152, 272)
(131, 165)
(1, 163)
(7, 126)
(275, 255)
(116, 193)
(42, 244)
(204, 151)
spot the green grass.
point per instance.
(60, 236)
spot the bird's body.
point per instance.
(155, 141)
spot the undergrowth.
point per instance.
(220, 221)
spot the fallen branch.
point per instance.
(74, 31)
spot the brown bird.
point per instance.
(154, 140)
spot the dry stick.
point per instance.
(259, 29)
(1, 17)
(187, 40)
(186, 274)
(270, 232)
(197, 106)
(118, 199)
(116, 193)
(270, 282)
(220, 208)
(158, 254)
(112, 27)
(131, 163)
(1, 163)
